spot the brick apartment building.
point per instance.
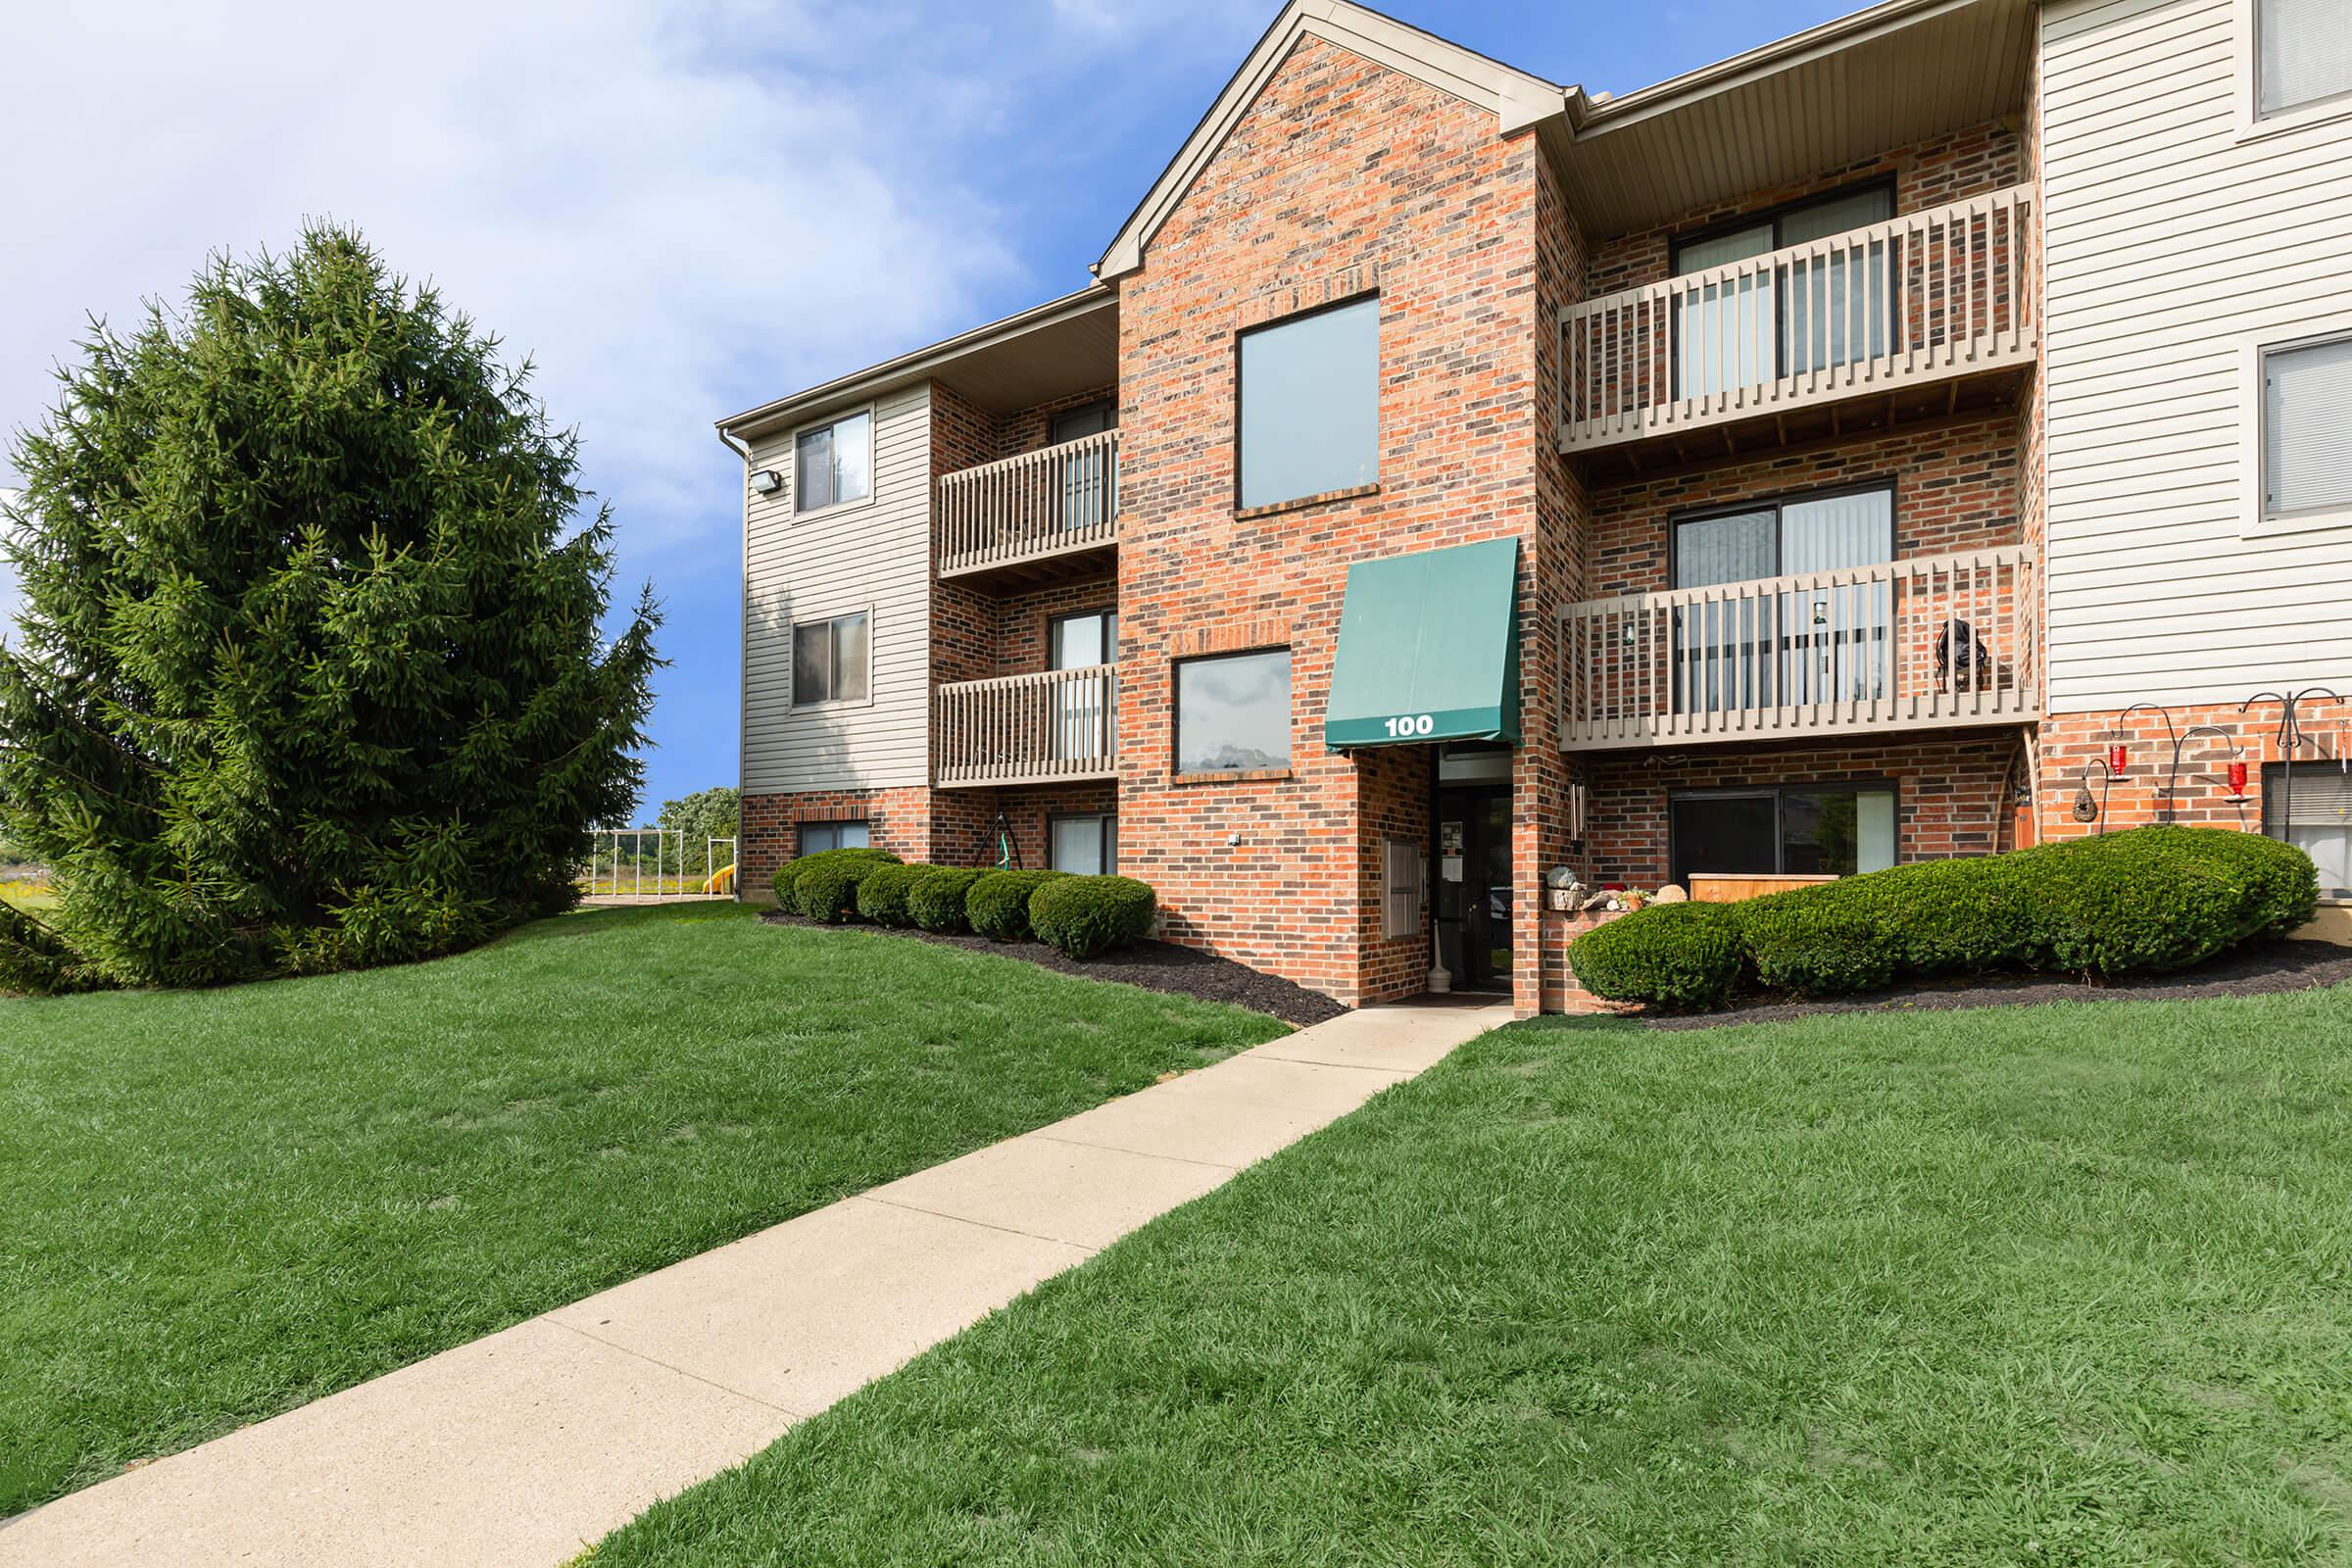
(1852, 453)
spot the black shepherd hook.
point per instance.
(2289, 737)
(998, 836)
(2083, 809)
(2171, 788)
(2161, 711)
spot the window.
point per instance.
(829, 659)
(1073, 642)
(1403, 869)
(834, 463)
(1233, 714)
(2306, 444)
(1310, 404)
(1809, 829)
(1830, 643)
(1090, 479)
(2303, 53)
(1085, 711)
(1789, 319)
(2320, 823)
(815, 836)
(1086, 845)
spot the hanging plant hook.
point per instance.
(2290, 736)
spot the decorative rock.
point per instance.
(1671, 894)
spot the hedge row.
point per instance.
(1081, 915)
(2152, 898)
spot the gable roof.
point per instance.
(1516, 99)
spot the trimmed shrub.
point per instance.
(836, 870)
(935, 898)
(2154, 897)
(1082, 915)
(997, 905)
(882, 894)
(2164, 898)
(1670, 955)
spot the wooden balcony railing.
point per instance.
(1026, 729)
(1936, 642)
(1030, 507)
(1921, 297)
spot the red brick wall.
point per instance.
(1926, 175)
(1027, 429)
(1953, 794)
(1956, 488)
(898, 820)
(2070, 742)
(1020, 626)
(1343, 176)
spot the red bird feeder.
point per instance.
(2116, 757)
(2238, 778)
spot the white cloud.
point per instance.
(651, 200)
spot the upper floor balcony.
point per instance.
(1939, 642)
(1040, 514)
(1046, 727)
(1904, 317)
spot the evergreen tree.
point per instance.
(310, 672)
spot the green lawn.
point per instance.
(218, 1204)
(2052, 1286)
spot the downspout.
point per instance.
(743, 660)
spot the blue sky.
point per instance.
(677, 210)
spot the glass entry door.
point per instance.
(1474, 885)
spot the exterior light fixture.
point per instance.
(768, 482)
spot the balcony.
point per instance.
(1053, 727)
(1933, 642)
(1900, 320)
(1033, 518)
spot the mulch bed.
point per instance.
(2253, 971)
(1153, 965)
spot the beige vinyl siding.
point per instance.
(872, 555)
(2171, 243)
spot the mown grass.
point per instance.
(2065, 1285)
(215, 1205)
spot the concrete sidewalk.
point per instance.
(526, 1447)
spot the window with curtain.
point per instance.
(1090, 479)
(815, 836)
(1088, 846)
(2317, 820)
(2303, 52)
(1310, 404)
(1796, 830)
(833, 464)
(1787, 319)
(1085, 717)
(830, 660)
(1817, 645)
(2307, 429)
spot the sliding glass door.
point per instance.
(1798, 645)
(1803, 314)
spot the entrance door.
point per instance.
(1474, 885)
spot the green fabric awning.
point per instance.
(1428, 649)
